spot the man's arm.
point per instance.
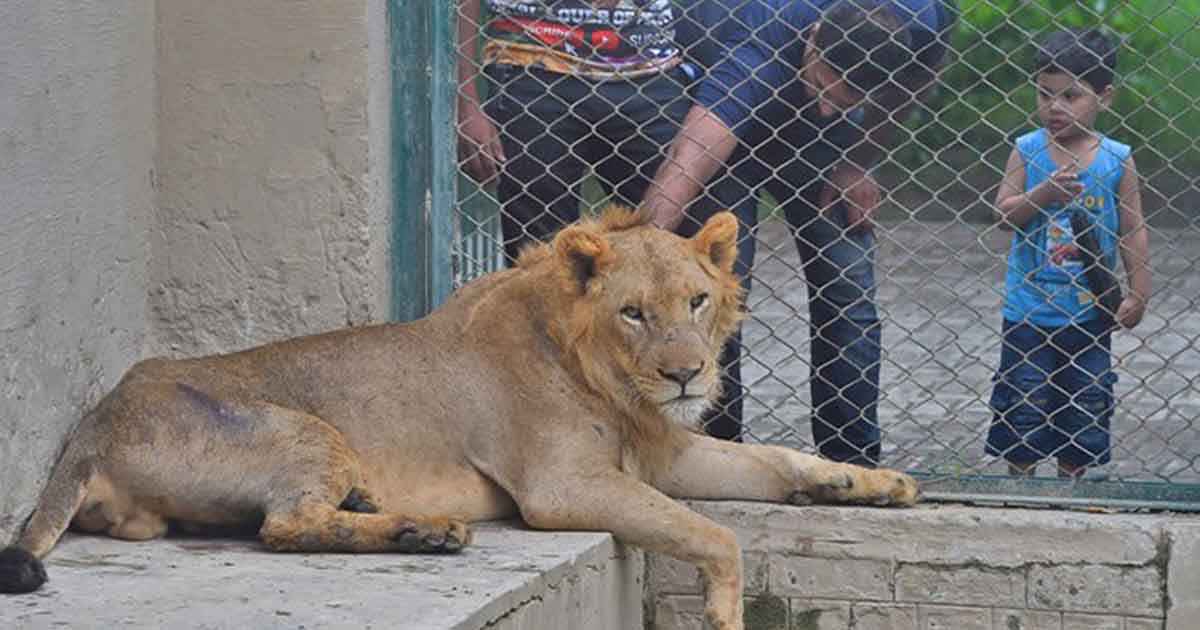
(697, 153)
(882, 119)
(742, 72)
(479, 148)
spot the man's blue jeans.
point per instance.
(844, 328)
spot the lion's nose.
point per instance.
(683, 376)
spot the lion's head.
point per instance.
(643, 312)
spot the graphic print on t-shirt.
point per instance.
(575, 36)
(1063, 253)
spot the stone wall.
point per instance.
(599, 590)
(946, 568)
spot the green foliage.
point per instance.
(986, 96)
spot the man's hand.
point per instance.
(859, 190)
(480, 152)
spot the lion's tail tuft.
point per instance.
(20, 571)
(21, 568)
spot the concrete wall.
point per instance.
(178, 178)
(273, 171)
(77, 146)
(946, 568)
(600, 588)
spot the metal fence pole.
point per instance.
(423, 175)
(443, 196)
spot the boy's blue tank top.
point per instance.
(1045, 284)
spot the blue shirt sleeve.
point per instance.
(744, 55)
(750, 49)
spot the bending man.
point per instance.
(799, 100)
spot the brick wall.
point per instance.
(940, 567)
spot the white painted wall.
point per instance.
(181, 178)
(273, 170)
(77, 146)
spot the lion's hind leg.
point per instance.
(315, 527)
(320, 503)
(214, 459)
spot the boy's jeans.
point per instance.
(1053, 394)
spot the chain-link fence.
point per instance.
(565, 105)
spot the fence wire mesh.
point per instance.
(583, 98)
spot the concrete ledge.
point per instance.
(947, 566)
(511, 579)
(812, 568)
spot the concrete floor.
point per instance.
(221, 583)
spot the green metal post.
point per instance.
(445, 155)
(423, 164)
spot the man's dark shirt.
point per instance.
(752, 52)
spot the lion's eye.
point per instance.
(633, 314)
(699, 301)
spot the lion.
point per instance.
(567, 390)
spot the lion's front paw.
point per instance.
(847, 483)
(898, 488)
(432, 537)
(838, 487)
(886, 488)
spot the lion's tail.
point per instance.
(21, 569)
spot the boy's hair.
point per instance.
(1086, 54)
(865, 42)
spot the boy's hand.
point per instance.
(1061, 187)
(1131, 311)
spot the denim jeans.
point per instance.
(1053, 394)
(839, 267)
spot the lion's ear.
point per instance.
(718, 240)
(583, 254)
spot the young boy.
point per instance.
(1053, 393)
